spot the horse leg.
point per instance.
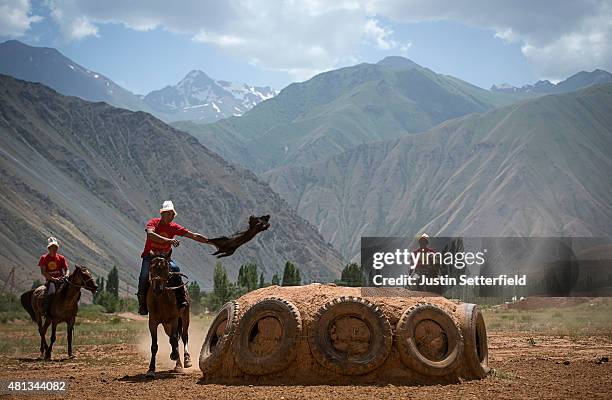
(153, 331)
(69, 332)
(42, 330)
(172, 332)
(185, 338)
(50, 347)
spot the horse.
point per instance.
(63, 308)
(163, 309)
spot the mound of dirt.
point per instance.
(326, 334)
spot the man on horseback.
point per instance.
(54, 269)
(160, 240)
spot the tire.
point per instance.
(350, 336)
(219, 337)
(267, 337)
(476, 349)
(428, 340)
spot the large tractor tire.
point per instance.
(267, 337)
(350, 336)
(219, 337)
(475, 342)
(428, 340)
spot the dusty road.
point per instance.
(547, 367)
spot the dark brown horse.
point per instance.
(64, 307)
(161, 302)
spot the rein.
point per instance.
(67, 280)
(159, 278)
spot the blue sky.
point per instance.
(146, 45)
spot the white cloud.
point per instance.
(15, 18)
(307, 36)
(558, 38)
(382, 36)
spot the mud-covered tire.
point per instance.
(217, 343)
(364, 351)
(428, 340)
(476, 350)
(258, 352)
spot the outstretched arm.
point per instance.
(197, 237)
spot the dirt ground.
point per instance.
(526, 366)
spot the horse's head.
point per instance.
(82, 277)
(159, 271)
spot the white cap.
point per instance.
(167, 206)
(424, 236)
(51, 241)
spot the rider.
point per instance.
(54, 269)
(160, 240)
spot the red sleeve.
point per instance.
(179, 230)
(41, 261)
(151, 224)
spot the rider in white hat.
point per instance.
(54, 268)
(161, 233)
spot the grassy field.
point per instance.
(587, 319)
(19, 336)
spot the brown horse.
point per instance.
(163, 309)
(64, 307)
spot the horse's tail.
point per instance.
(26, 302)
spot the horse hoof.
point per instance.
(178, 369)
(71, 356)
(187, 363)
(47, 358)
(174, 355)
(150, 375)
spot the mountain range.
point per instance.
(537, 167)
(340, 109)
(195, 97)
(200, 98)
(92, 175)
(577, 81)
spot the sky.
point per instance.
(144, 45)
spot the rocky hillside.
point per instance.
(538, 167)
(92, 175)
(340, 109)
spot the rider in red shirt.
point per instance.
(161, 233)
(54, 268)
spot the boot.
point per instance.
(181, 298)
(142, 304)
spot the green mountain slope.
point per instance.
(92, 175)
(340, 109)
(538, 167)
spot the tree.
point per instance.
(352, 275)
(247, 277)
(223, 290)
(195, 295)
(275, 280)
(291, 275)
(100, 282)
(262, 283)
(112, 282)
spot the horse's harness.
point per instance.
(170, 273)
(80, 286)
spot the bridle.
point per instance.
(80, 286)
(170, 273)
